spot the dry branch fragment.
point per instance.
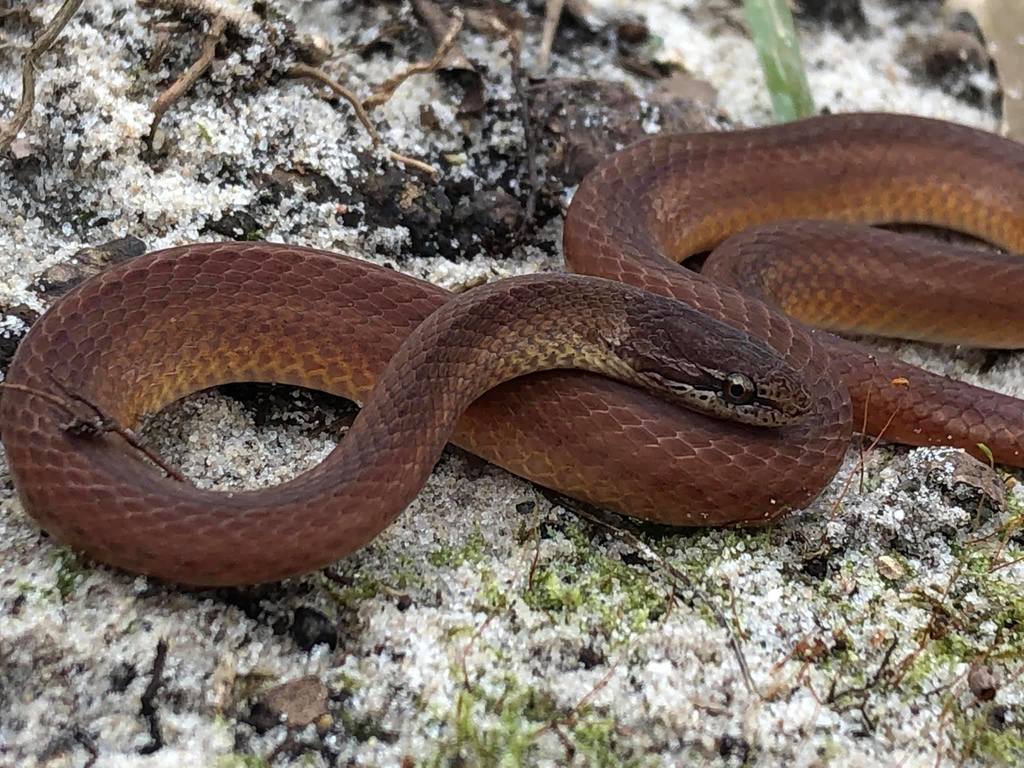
(234, 16)
(224, 20)
(384, 91)
(221, 18)
(40, 45)
(147, 703)
(552, 15)
(314, 73)
(529, 135)
(180, 87)
(454, 60)
(22, 14)
(437, 23)
(95, 423)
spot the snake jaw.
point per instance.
(765, 409)
(788, 394)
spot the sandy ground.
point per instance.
(882, 626)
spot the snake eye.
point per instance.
(739, 389)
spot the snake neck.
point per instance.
(467, 347)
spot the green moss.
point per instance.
(459, 632)
(960, 639)
(978, 739)
(509, 741)
(503, 724)
(70, 570)
(363, 587)
(441, 557)
(84, 219)
(407, 575)
(922, 668)
(1003, 604)
(363, 728)
(990, 626)
(452, 557)
(342, 681)
(366, 584)
(1004, 748)
(493, 595)
(1016, 506)
(700, 560)
(622, 600)
(550, 593)
(594, 739)
(204, 132)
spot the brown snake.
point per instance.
(156, 328)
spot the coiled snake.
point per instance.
(158, 327)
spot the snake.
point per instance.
(725, 395)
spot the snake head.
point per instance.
(711, 367)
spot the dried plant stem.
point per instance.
(384, 91)
(315, 73)
(552, 15)
(96, 424)
(42, 43)
(180, 87)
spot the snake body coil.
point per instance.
(156, 328)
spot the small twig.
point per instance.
(552, 15)
(148, 701)
(834, 696)
(40, 45)
(180, 87)
(533, 562)
(469, 647)
(932, 630)
(1003, 539)
(1003, 533)
(949, 685)
(315, 73)
(107, 423)
(529, 139)
(940, 737)
(575, 711)
(98, 424)
(49, 397)
(384, 91)
(862, 691)
(677, 577)
(24, 14)
(1007, 564)
(860, 442)
(88, 743)
(236, 16)
(863, 456)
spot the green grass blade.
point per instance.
(771, 26)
